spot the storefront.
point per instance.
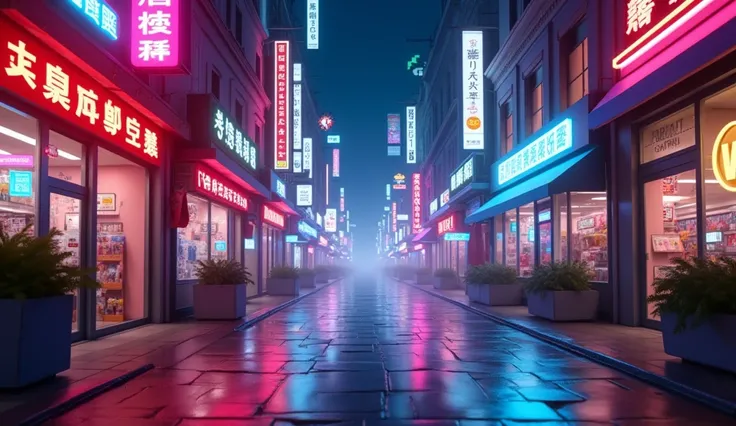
(78, 157)
(301, 245)
(321, 250)
(548, 200)
(452, 248)
(672, 123)
(424, 246)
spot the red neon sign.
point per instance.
(446, 225)
(37, 73)
(281, 113)
(155, 33)
(273, 217)
(394, 226)
(212, 184)
(416, 203)
(649, 22)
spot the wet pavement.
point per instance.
(367, 351)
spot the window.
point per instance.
(239, 113)
(258, 67)
(228, 13)
(498, 239)
(577, 72)
(66, 163)
(192, 241)
(238, 26)
(544, 219)
(257, 7)
(589, 243)
(526, 240)
(258, 136)
(510, 231)
(513, 13)
(535, 101)
(560, 223)
(218, 232)
(507, 128)
(215, 84)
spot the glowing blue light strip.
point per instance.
(553, 142)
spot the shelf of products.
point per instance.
(110, 275)
(590, 244)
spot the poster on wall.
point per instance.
(473, 98)
(106, 204)
(394, 129)
(331, 220)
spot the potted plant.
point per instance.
(493, 284)
(561, 291)
(322, 273)
(424, 276)
(36, 306)
(283, 281)
(220, 293)
(307, 278)
(445, 279)
(696, 302)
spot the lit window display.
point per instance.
(192, 241)
(510, 230)
(544, 217)
(561, 240)
(526, 240)
(498, 239)
(219, 232)
(18, 175)
(66, 159)
(589, 240)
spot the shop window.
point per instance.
(526, 240)
(18, 171)
(462, 258)
(192, 241)
(544, 220)
(215, 84)
(560, 219)
(577, 66)
(507, 126)
(498, 239)
(511, 230)
(535, 101)
(219, 232)
(65, 216)
(66, 158)
(590, 231)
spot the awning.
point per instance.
(285, 206)
(427, 235)
(457, 202)
(584, 171)
(221, 162)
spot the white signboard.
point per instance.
(312, 24)
(473, 117)
(307, 158)
(388, 191)
(667, 136)
(331, 220)
(304, 195)
(297, 116)
(297, 162)
(333, 139)
(411, 136)
(394, 151)
(297, 73)
(433, 206)
(402, 217)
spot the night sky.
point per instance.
(359, 75)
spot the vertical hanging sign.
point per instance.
(281, 111)
(313, 24)
(307, 158)
(411, 136)
(155, 33)
(297, 116)
(335, 162)
(473, 99)
(416, 203)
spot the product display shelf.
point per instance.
(110, 262)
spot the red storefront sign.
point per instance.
(273, 217)
(213, 185)
(323, 241)
(38, 74)
(446, 225)
(416, 203)
(281, 114)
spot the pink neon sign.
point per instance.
(155, 33)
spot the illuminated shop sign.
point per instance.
(155, 33)
(304, 195)
(386, 208)
(402, 217)
(724, 157)
(416, 203)
(331, 220)
(319, 219)
(394, 151)
(649, 22)
(323, 241)
(463, 175)
(388, 191)
(307, 159)
(278, 186)
(307, 230)
(394, 219)
(230, 137)
(20, 184)
(473, 98)
(394, 129)
(281, 113)
(273, 217)
(544, 216)
(297, 161)
(457, 236)
(433, 207)
(333, 139)
(325, 122)
(399, 181)
(41, 75)
(20, 161)
(342, 204)
(335, 162)
(312, 24)
(296, 118)
(418, 247)
(100, 14)
(402, 246)
(411, 136)
(297, 73)
(212, 184)
(249, 244)
(446, 225)
(551, 144)
(444, 197)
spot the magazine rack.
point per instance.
(110, 275)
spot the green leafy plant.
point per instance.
(284, 272)
(559, 276)
(35, 267)
(222, 272)
(445, 273)
(491, 273)
(307, 273)
(695, 290)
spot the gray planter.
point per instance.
(407, 276)
(323, 277)
(283, 286)
(445, 283)
(713, 343)
(564, 305)
(496, 294)
(36, 337)
(308, 282)
(425, 279)
(219, 302)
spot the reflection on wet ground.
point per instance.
(371, 351)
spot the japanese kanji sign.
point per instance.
(335, 162)
(394, 219)
(447, 224)
(32, 70)
(313, 24)
(100, 14)
(214, 186)
(552, 143)
(307, 157)
(155, 33)
(648, 22)
(281, 104)
(416, 203)
(473, 98)
(411, 135)
(462, 176)
(394, 129)
(226, 133)
(273, 217)
(297, 116)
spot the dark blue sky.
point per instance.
(359, 75)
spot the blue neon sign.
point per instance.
(457, 236)
(21, 184)
(292, 239)
(100, 14)
(307, 230)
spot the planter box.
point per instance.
(283, 286)
(36, 337)
(713, 343)
(407, 276)
(564, 305)
(310, 282)
(443, 283)
(496, 294)
(425, 279)
(322, 278)
(219, 302)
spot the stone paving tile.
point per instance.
(374, 352)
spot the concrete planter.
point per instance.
(425, 279)
(496, 294)
(564, 305)
(713, 343)
(322, 277)
(445, 283)
(407, 276)
(283, 286)
(36, 337)
(308, 282)
(219, 302)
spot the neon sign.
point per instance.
(273, 217)
(232, 139)
(305, 229)
(462, 176)
(325, 122)
(724, 157)
(335, 162)
(155, 33)
(446, 225)
(458, 236)
(212, 184)
(281, 114)
(99, 13)
(552, 143)
(416, 203)
(312, 24)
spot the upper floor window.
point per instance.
(577, 68)
(257, 6)
(215, 84)
(507, 128)
(238, 26)
(258, 66)
(229, 13)
(534, 101)
(513, 13)
(239, 113)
